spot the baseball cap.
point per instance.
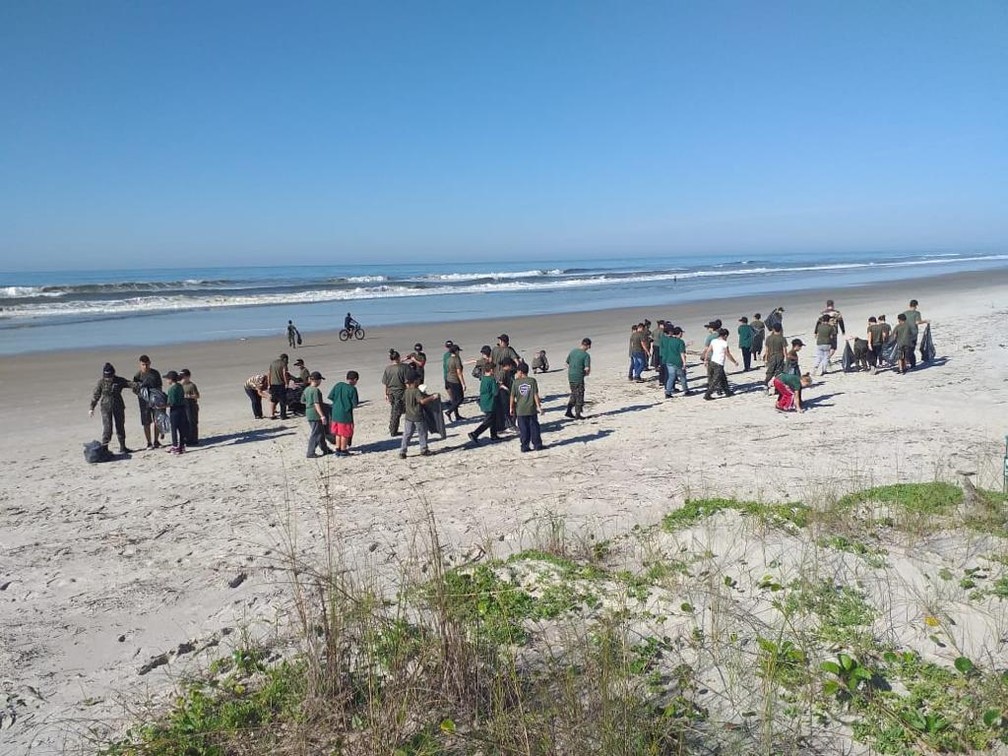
(504, 337)
(485, 349)
(797, 342)
(418, 346)
(107, 369)
(454, 348)
(448, 343)
(317, 376)
(743, 319)
(171, 375)
(299, 361)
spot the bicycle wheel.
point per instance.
(344, 334)
(359, 333)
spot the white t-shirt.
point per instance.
(718, 347)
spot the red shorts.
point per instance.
(344, 430)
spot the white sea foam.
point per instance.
(25, 292)
(492, 275)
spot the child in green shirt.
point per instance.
(413, 402)
(525, 407)
(487, 404)
(176, 412)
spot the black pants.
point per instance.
(576, 402)
(455, 397)
(911, 356)
(256, 400)
(717, 380)
(757, 344)
(113, 414)
(746, 357)
(528, 432)
(179, 425)
(396, 410)
(192, 418)
(278, 396)
(489, 423)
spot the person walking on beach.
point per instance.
(718, 352)
(278, 380)
(413, 403)
(344, 399)
(293, 335)
(149, 378)
(835, 319)
(775, 353)
(713, 328)
(578, 368)
(826, 339)
(192, 396)
(107, 397)
(176, 412)
(759, 333)
(394, 381)
(673, 351)
(875, 342)
(455, 383)
(487, 404)
(745, 340)
(526, 406)
(257, 389)
(914, 321)
(315, 414)
(444, 360)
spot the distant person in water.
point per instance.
(107, 397)
(293, 335)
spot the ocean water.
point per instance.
(76, 309)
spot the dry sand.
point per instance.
(104, 568)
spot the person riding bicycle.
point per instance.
(349, 323)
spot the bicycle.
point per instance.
(346, 334)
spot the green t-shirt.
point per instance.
(344, 398)
(903, 335)
(913, 317)
(637, 343)
(190, 390)
(578, 361)
(525, 390)
(775, 345)
(452, 369)
(176, 395)
(309, 397)
(444, 364)
(278, 372)
(488, 393)
(394, 377)
(824, 334)
(411, 400)
(672, 350)
(791, 380)
(745, 334)
(875, 331)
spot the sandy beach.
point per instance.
(115, 579)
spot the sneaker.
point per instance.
(149, 447)
(156, 445)
(668, 396)
(425, 452)
(327, 451)
(474, 438)
(402, 455)
(526, 449)
(708, 397)
(569, 414)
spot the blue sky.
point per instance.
(152, 133)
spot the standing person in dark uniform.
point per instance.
(503, 351)
(417, 360)
(578, 367)
(108, 394)
(875, 342)
(394, 380)
(759, 333)
(293, 335)
(775, 354)
(278, 380)
(148, 377)
(913, 320)
(455, 383)
(192, 396)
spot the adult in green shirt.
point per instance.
(487, 404)
(578, 366)
(759, 333)
(745, 340)
(673, 350)
(444, 361)
(906, 342)
(825, 333)
(394, 381)
(914, 320)
(278, 380)
(344, 399)
(455, 382)
(776, 353)
(311, 397)
(639, 346)
(525, 408)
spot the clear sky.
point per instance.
(143, 133)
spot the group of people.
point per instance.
(163, 409)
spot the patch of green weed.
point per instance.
(918, 498)
(695, 510)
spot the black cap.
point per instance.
(448, 343)
(504, 337)
(317, 376)
(107, 369)
(299, 361)
(485, 349)
(797, 342)
(171, 375)
(743, 319)
(454, 349)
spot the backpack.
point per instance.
(95, 452)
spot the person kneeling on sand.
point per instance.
(413, 403)
(539, 363)
(788, 387)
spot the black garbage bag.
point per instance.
(890, 351)
(96, 451)
(847, 361)
(927, 347)
(774, 318)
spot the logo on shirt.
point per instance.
(525, 389)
